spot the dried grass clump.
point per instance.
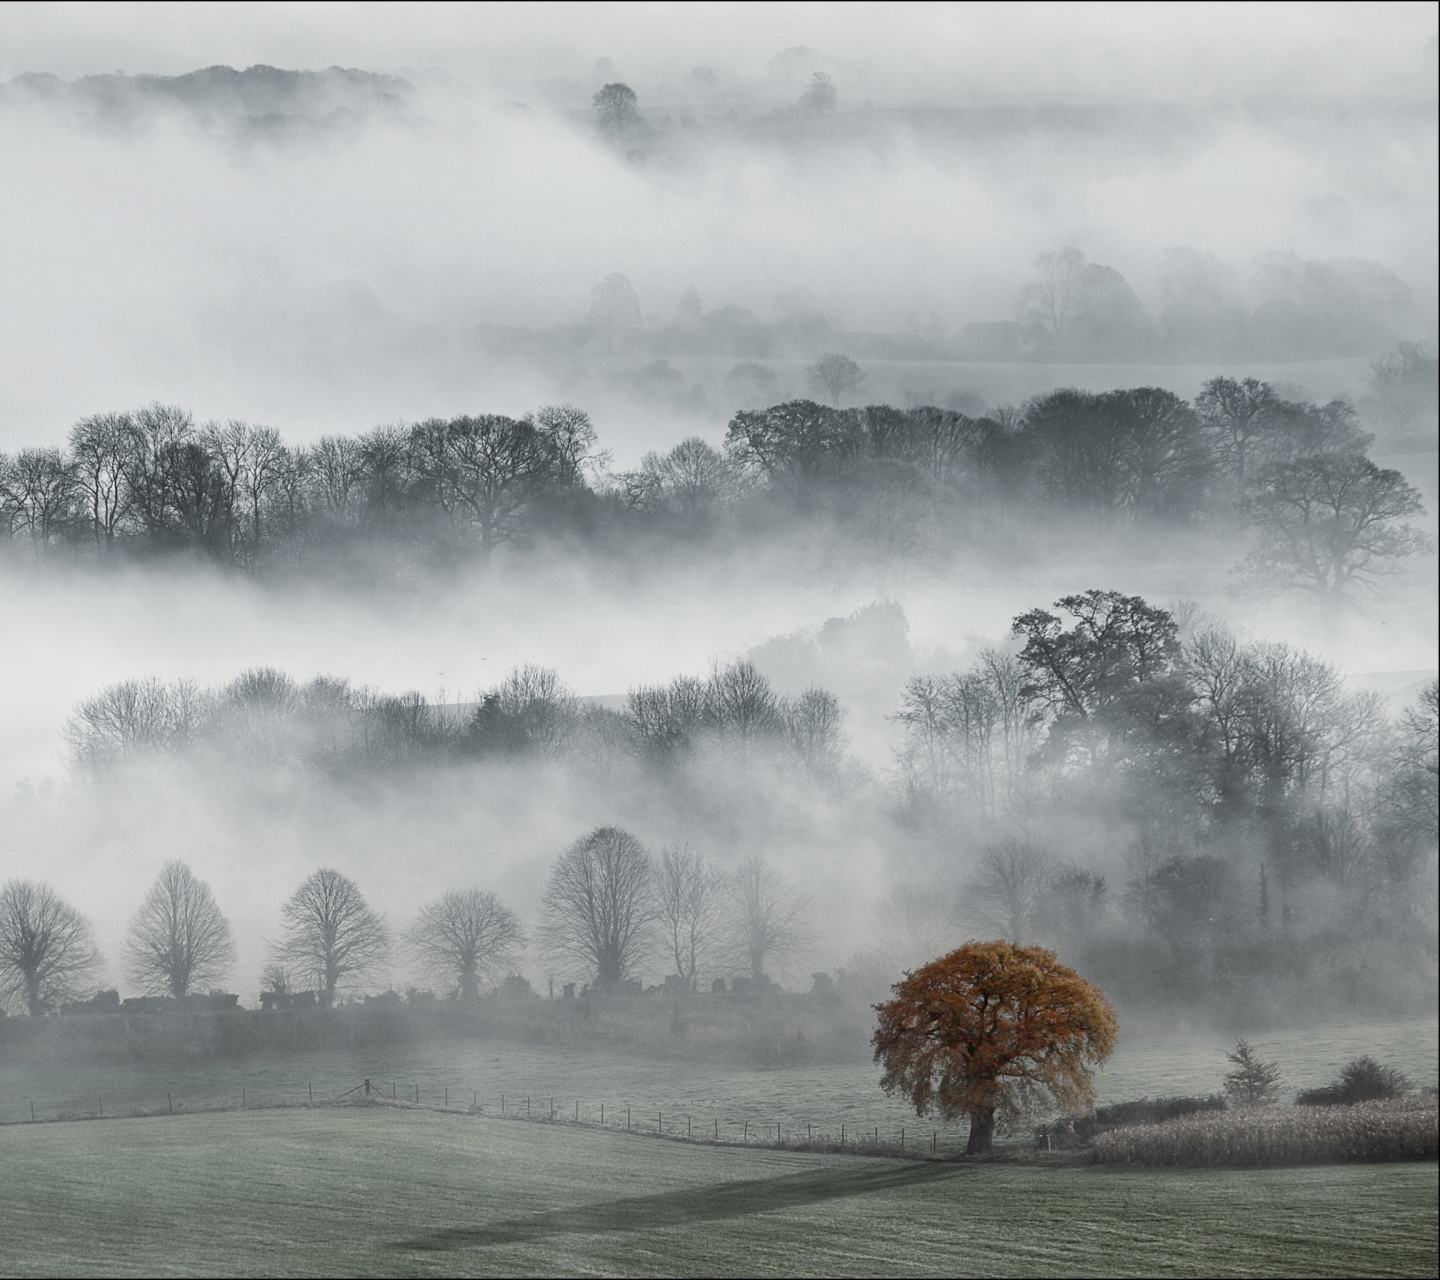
(1395, 1129)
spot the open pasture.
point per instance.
(375, 1191)
(1152, 1060)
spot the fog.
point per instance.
(331, 256)
(326, 273)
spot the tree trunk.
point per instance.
(982, 1130)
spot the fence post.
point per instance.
(746, 1137)
(474, 1099)
(244, 1101)
(311, 1088)
(842, 1135)
(777, 1132)
(902, 1137)
(577, 1110)
(527, 1108)
(627, 1119)
(807, 1133)
(367, 1088)
(102, 1106)
(170, 1102)
(602, 1115)
(447, 1095)
(552, 1110)
(935, 1142)
(502, 1104)
(717, 1131)
(32, 1108)
(660, 1127)
(687, 1126)
(417, 1095)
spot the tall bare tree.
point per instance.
(178, 939)
(599, 905)
(97, 448)
(465, 936)
(1008, 887)
(331, 935)
(1052, 302)
(47, 948)
(766, 917)
(690, 897)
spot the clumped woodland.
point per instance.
(888, 487)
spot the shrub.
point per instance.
(1395, 1129)
(1080, 1131)
(1360, 1080)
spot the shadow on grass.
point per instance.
(713, 1202)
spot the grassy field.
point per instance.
(1151, 1060)
(376, 1191)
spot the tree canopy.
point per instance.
(994, 1032)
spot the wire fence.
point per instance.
(919, 1141)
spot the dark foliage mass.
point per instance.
(896, 486)
(1360, 1080)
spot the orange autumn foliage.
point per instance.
(995, 1032)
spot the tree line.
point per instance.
(609, 911)
(265, 718)
(907, 483)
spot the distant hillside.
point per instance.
(260, 98)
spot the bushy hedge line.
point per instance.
(1405, 1128)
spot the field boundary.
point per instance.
(917, 1142)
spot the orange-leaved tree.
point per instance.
(994, 1032)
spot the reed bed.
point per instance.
(1395, 1129)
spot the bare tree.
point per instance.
(1052, 302)
(1328, 523)
(330, 933)
(465, 936)
(47, 948)
(741, 704)
(338, 470)
(616, 107)
(598, 907)
(1008, 887)
(690, 910)
(133, 717)
(178, 939)
(1236, 414)
(39, 488)
(814, 729)
(836, 375)
(97, 448)
(767, 917)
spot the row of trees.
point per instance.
(909, 482)
(237, 493)
(609, 910)
(266, 718)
